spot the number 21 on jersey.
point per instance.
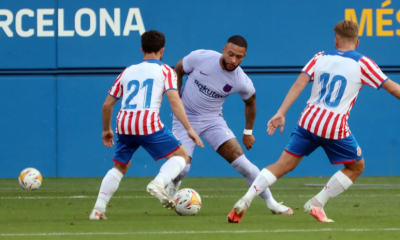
(135, 85)
(332, 89)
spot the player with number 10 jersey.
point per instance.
(338, 76)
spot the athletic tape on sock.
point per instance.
(344, 180)
(269, 176)
(180, 160)
(116, 173)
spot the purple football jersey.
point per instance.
(208, 84)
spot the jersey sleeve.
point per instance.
(189, 62)
(371, 74)
(309, 68)
(247, 90)
(116, 90)
(170, 78)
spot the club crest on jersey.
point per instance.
(359, 151)
(227, 88)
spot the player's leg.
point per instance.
(125, 149)
(222, 139)
(301, 144)
(181, 133)
(163, 144)
(263, 181)
(174, 185)
(345, 151)
(233, 153)
(175, 163)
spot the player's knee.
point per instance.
(189, 159)
(357, 167)
(122, 168)
(182, 153)
(287, 167)
(287, 163)
(360, 166)
(237, 153)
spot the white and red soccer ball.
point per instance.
(30, 178)
(187, 201)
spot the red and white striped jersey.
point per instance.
(338, 78)
(141, 87)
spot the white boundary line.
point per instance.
(204, 232)
(303, 188)
(203, 196)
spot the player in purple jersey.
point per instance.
(212, 77)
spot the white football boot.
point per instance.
(173, 188)
(279, 208)
(160, 193)
(96, 215)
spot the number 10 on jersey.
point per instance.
(147, 85)
(331, 92)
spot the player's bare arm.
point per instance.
(179, 112)
(250, 112)
(108, 133)
(179, 73)
(293, 94)
(230, 150)
(392, 87)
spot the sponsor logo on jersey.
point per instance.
(206, 91)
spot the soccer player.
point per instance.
(212, 77)
(337, 75)
(141, 87)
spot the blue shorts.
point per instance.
(303, 143)
(159, 145)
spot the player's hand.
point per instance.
(276, 121)
(107, 137)
(248, 141)
(193, 135)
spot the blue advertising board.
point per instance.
(106, 34)
(58, 59)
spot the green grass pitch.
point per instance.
(61, 208)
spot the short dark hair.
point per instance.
(152, 41)
(238, 40)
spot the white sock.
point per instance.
(264, 179)
(338, 183)
(249, 171)
(170, 170)
(182, 175)
(107, 189)
(271, 202)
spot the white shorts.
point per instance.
(213, 129)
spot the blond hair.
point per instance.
(346, 29)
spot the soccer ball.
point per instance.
(30, 178)
(187, 201)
